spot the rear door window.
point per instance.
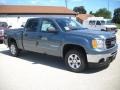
(32, 25)
(3, 24)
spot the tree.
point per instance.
(91, 13)
(116, 16)
(80, 10)
(103, 12)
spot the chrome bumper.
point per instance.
(103, 56)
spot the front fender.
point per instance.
(81, 41)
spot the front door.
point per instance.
(50, 42)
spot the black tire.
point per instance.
(17, 51)
(82, 60)
(1, 42)
(103, 30)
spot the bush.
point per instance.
(116, 16)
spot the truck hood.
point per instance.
(92, 33)
(110, 26)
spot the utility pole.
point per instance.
(66, 3)
(108, 4)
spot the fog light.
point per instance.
(102, 60)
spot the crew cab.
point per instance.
(66, 38)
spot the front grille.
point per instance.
(110, 42)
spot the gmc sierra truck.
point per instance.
(66, 38)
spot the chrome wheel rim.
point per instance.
(74, 61)
(13, 49)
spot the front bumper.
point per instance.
(102, 59)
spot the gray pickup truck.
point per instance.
(66, 38)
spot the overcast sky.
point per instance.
(90, 5)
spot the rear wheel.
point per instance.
(75, 61)
(1, 42)
(14, 49)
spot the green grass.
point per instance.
(118, 25)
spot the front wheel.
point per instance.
(103, 30)
(14, 49)
(75, 61)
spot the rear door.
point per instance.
(31, 34)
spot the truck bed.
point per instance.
(17, 34)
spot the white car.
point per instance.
(99, 23)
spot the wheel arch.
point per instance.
(11, 40)
(69, 47)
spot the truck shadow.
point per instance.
(47, 60)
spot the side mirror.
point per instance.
(22, 26)
(51, 30)
(9, 26)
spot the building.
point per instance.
(16, 15)
(81, 17)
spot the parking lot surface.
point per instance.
(33, 71)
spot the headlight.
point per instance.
(98, 43)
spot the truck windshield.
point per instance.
(68, 24)
(3, 24)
